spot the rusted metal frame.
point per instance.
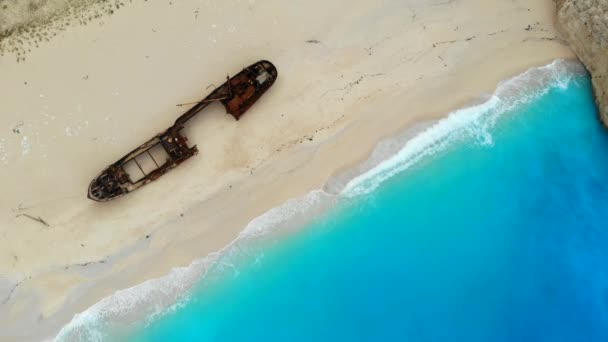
(139, 166)
(203, 104)
(236, 105)
(207, 99)
(150, 154)
(138, 151)
(204, 101)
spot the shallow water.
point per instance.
(490, 226)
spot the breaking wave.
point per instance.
(146, 301)
(471, 122)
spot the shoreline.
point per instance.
(358, 167)
(249, 189)
(293, 216)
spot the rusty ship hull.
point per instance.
(169, 148)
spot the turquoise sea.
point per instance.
(491, 225)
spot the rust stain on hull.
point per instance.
(237, 94)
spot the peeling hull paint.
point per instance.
(237, 95)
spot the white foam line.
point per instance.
(472, 122)
(156, 296)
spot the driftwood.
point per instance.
(37, 219)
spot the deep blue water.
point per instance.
(501, 240)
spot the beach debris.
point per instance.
(468, 39)
(442, 61)
(37, 219)
(85, 264)
(444, 42)
(196, 102)
(313, 41)
(550, 39)
(17, 127)
(497, 32)
(169, 148)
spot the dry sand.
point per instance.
(350, 74)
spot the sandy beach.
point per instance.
(350, 74)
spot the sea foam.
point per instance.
(475, 121)
(155, 297)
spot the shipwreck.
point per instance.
(168, 149)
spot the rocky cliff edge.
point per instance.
(584, 25)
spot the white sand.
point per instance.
(94, 92)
